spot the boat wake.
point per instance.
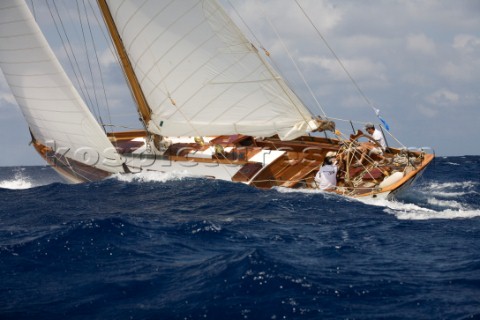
(447, 200)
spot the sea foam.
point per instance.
(15, 184)
(19, 181)
(152, 176)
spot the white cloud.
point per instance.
(420, 43)
(360, 68)
(427, 111)
(286, 16)
(466, 43)
(443, 97)
(460, 71)
(107, 58)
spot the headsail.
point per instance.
(201, 76)
(55, 112)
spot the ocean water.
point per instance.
(159, 246)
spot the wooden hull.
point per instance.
(262, 163)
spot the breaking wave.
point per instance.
(435, 200)
(19, 181)
(152, 176)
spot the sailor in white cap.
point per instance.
(326, 177)
(376, 146)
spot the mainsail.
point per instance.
(56, 114)
(201, 76)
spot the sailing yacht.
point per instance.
(209, 103)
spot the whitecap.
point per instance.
(16, 184)
(394, 205)
(450, 189)
(297, 190)
(453, 163)
(444, 214)
(451, 185)
(411, 211)
(445, 203)
(152, 176)
(447, 194)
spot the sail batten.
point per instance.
(201, 75)
(56, 114)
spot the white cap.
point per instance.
(331, 154)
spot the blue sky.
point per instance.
(418, 62)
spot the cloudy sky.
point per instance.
(417, 61)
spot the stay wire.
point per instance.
(300, 73)
(95, 95)
(102, 82)
(286, 50)
(66, 43)
(369, 103)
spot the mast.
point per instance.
(132, 79)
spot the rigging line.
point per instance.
(245, 24)
(115, 54)
(393, 137)
(273, 61)
(88, 60)
(107, 38)
(360, 122)
(98, 63)
(282, 84)
(66, 44)
(300, 73)
(369, 103)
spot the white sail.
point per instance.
(53, 109)
(201, 76)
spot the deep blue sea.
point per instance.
(159, 246)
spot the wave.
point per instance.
(152, 176)
(19, 181)
(451, 188)
(411, 211)
(16, 184)
(26, 180)
(453, 163)
(446, 203)
(20, 178)
(443, 185)
(445, 214)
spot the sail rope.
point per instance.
(93, 64)
(97, 60)
(267, 53)
(67, 44)
(360, 91)
(300, 73)
(338, 133)
(87, 56)
(115, 55)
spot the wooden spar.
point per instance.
(142, 104)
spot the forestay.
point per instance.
(55, 112)
(201, 76)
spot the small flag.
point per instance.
(385, 124)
